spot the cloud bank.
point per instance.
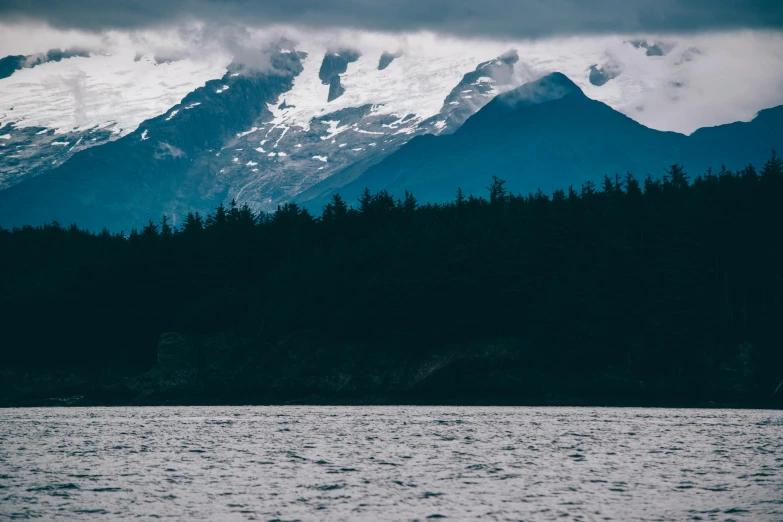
(489, 18)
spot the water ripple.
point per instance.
(390, 463)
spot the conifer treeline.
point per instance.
(663, 275)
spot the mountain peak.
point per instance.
(548, 88)
(556, 78)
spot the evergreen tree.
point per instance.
(409, 204)
(365, 201)
(218, 220)
(335, 210)
(165, 229)
(383, 203)
(632, 187)
(150, 231)
(245, 219)
(773, 168)
(608, 185)
(677, 177)
(233, 212)
(618, 184)
(194, 224)
(652, 187)
(460, 197)
(497, 191)
(749, 173)
(291, 215)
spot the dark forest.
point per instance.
(671, 287)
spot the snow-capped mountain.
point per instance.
(313, 135)
(158, 168)
(55, 104)
(118, 137)
(547, 135)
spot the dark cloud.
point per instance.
(494, 18)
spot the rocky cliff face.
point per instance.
(387, 58)
(333, 65)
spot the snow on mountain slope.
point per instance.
(309, 142)
(428, 88)
(153, 170)
(313, 142)
(58, 108)
(548, 135)
(82, 92)
(416, 83)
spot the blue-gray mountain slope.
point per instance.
(547, 134)
(158, 169)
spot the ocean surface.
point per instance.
(390, 463)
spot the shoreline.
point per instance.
(400, 401)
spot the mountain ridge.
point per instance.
(120, 184)
(547, 135)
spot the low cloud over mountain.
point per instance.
(495, 18)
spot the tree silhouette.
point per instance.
(663, 279)
(497, 191)
(194, 224)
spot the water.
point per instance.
(391, 463)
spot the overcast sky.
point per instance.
(487, 18)
(725, 61)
